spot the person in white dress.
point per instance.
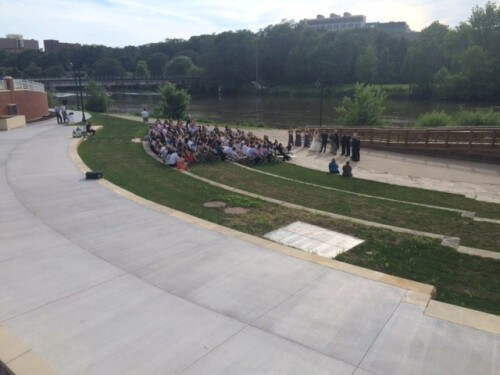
(316, 142)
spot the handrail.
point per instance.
(469, 137)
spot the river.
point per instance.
(279, 112)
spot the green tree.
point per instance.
(108, 67)
(32, 71)
(477, 68)
(157, 63)
(54, 71)
(174, 102)
(96, 98)
(366, 65)
(366, 108)
(179, 65)
(141, 69)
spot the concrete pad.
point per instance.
(33, 280)
(314, 239)
(412, 343)
(238, 280)
(256, 352)
(122, 326)
(339, 315)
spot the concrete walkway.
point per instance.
(97, 284)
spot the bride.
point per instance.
(316, 143)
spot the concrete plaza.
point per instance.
(95, 283)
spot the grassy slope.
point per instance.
(482, 209)
(474, 234)
(460, 279)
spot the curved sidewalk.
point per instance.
(95, 283)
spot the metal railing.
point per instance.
(3, 85)
(22, 84)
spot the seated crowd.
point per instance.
(182, 144)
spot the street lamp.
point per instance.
(77, 75)
(318, 84)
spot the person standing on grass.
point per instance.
(324, 141)
(145, 116)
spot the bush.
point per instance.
(52, 99)
(174, 102)
(96, 98)
(477, 118)
(366, 108)
(434, 118)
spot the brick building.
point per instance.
(55, 45)
(23, 97)
(16, 42)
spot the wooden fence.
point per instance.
(464, 143)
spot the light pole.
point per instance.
(69, 67)
(77, 74)
(318, 84)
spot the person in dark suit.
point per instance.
(343, 143)
(334, 138)
(348, 145)
(356, 146)
(324, 141)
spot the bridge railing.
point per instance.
(460, 137)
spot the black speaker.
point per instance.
(93, 175)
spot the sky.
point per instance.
(118, 23)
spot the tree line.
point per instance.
(444, 62)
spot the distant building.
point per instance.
(55, 45)
(16, 42)
(348, 22)
(390, 27)
(336, 22)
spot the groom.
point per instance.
(324, 141)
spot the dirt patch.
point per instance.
(236, 210)
(214, 204)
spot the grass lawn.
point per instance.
(436, 198)
(472, 233)
(460, 279)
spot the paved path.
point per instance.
(97, 284)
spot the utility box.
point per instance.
(12, 109)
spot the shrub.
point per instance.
(477, 118)
(173, 102)
(96, 98)
(51, 98)
(434, 118)
(366, 108)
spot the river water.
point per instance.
(279, 112)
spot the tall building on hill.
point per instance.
(336, 22)
(16, 42)
(55, 45)
(348, 22)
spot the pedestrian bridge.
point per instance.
(118, 81)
